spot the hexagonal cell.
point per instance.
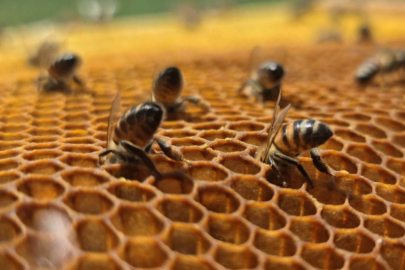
(209, 126)
(13, 128)
(77, 117)
(327, 192)
(282, 264)
(37, 146)
(242, 165)
(208, 172)
(6, 177)
(322, 257)
(364, 153)
(10, 145)
(340, 217)
(356, 242)
(137, 221)
(391, 193)
(296, 203)
(356, 117)
(384, 227)
(17, 119)
(180, 209)
(393, 254)
(178, 133)
(84, 177)
(218, 199)
(399, 140)
(368, 204)
(42, 154)
(8, 164)
(175, 183)
(82, 134)
(386, 148)
(255, 139)
(132, 191)
(398, 212)
(212, 135)
(252, 189)
(265, 216)
(9, 230)
(235, 257)
(246, 126)
(365, 263)
(309, 230)
(378, 174)
(45, 131)
(339, 162)
(163, 164)
(45, 251)
(95, 261)
(13, 136)
(196, 153)
(348, 135)
(275, 243)
(77, 126)
(397, 165)
(227, 229)
(88, 202)
(144, 253)
(43, 139)
(390, 124)
(7, 198)
(84, 140)
(371, 130)
(192, 141)
(227, 146)
(188, 262)
(9, 262)
(45, 167)
(41, 187)
(44, 123)
(187, 239)
(80, 148)
(80, 160)
(173, 125)
(353, 184)
(95, 236)
(9, 154)
(332, 144)
(44, 218)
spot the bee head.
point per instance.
(67, 63)
(271, 71)
(153, 113)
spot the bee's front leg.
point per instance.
(171, 151)
(319, 163)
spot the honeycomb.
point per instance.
(60, 210)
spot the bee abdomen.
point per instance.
(168, 85)
(367, 71)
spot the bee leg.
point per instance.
(319, 162)
(298, 165)
(275, 169)
(78, 81)
(142, 155)
(170, 151)
(198, 102)
(242, 86)
(40, 86)
(148, 147)
(106, 152)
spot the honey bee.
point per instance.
(45, 54)
(61, 73)
(383, 62)
(265, 82)
(364, 33)
(285, 142)
(167, 89)
(131, 138)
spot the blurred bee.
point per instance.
(301, 135)
(45, 54)
(98, 10)
(131, 138)
(167, 89)
(265, 82)
(383, 62)
(364, 33)
(61, 73)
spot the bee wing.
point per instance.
(115, 108)
(275, 125)
(254, 59)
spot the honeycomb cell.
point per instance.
(208, 172)
(275, 243)
(88, 202)
(9, 154)
(85, 140)
(282, 264)
(84, 177)
(79, 148)
(212, 135)
(41, 187)
(235, 257)
(378, 174)
(144, 253)
(9, 262)
(187, 239)
(334, 122)
(218, 199)
(45, 131)
(364, 153)
(46, 123)
(209, 126)
(370, 130)
(309, 230)
(240, 165)
(9, 230)
(368, 204)
(175, 183)
(195, 153)
(8, 137)
(393, 254)
(7, 199)
(192, 141)
(396, 165)
(95, 261)
(252, 189)
(356, 117)
(180, 209)
(178, 133)
(77, 117)
(42, 154)
(6, 177)
(353, 184)
(132, 191)
(227, 146)
(350, 136)
(264, 216)
(80, 160)
(10, 145)
(354, 241)
(35, 146)
(188, 262)
(296, 203)
(8, 164)
(390, 193)
(340, 217)
(328, 193)
(43, 139)
(13, 128)
(390, 124)
(322, 257)
(95, 236)
(398, 212)
(44, 167)
(164, 165)
(227, 229)
(384, 227)
(255, 139)
(332, 144)
(137, 221)
(17, 119)
(339, 162)
(364, 263)
(173, 125)
(246, 126)
(399, 140)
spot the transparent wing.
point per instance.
(275, 125)
(113, 118)
(253, 58)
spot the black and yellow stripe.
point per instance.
(168, 86)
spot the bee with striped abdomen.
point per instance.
(131, 138)
(167, 89)
(286, 142)
(61, 73)
(265, 82)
